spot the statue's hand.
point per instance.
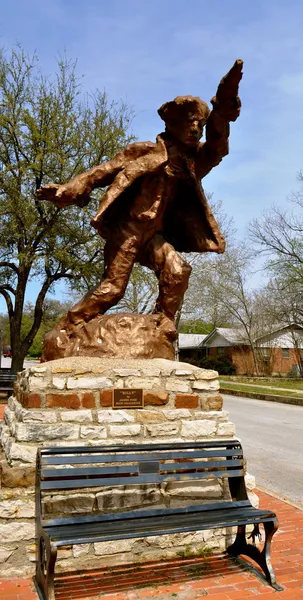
(50, 192)
(62, 195)
(226, 101)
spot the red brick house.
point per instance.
(279, 352)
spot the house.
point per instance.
(230, 343)
(279, 352)
(191, 347)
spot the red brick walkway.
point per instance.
(217, 577)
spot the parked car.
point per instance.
(7, 351)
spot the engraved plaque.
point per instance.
(128, 398)
(149, 466)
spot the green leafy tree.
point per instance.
(49, 132)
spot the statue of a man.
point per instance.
(154, 205)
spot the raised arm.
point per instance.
(226, 107)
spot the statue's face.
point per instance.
(188, 131)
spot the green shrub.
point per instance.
(222, 364)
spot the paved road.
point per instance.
(272, 438)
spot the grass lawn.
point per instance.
(261, 389)
(279, 383)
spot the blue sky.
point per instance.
(148, 52)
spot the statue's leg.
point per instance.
(172, 272)
(119, 256)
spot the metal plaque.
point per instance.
(128, 398)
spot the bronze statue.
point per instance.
(155, 205)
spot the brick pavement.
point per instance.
(218, 577)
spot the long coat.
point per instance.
(190, 225)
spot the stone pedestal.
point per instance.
(69, 402)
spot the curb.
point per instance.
(269, 397)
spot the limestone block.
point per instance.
(147, 383)
(183, 372)
(163, 429)
(68, 504)
(220, 416)
(198, 429)
(115, 416)
(250, 481)
(127, 372)
(226, 429)
(13, 477)
(149, 370)
(37, 383)
(205, 374)
(211, 402)
(254, 499)
(42, 416)
(204, 489)
(59, 383)
(21, 453)
(164, 541)
(13, 404)
(4, 434)
(175, 385)
(14, 509)
(5, 553)
(79, 416)
(89, 383)
(34, 432)
(176, 414)
(39, 370)
(10, 419)
(17, 531)
(128, 496)
(113, 547)
(205, 384)
(80, 550)
(93, 432)
(150, 416)
(124, 430)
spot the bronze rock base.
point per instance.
(123, 335)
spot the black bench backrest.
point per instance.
(82, 467)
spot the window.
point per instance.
(220, 351)
(285, 352)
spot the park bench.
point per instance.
(70, 468)
(7, 379)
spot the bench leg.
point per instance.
(261, 557)
(45, 570)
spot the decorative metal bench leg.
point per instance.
(261, 557)
(45, 571)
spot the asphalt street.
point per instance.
(272, 437)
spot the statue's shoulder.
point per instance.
(137, 149)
